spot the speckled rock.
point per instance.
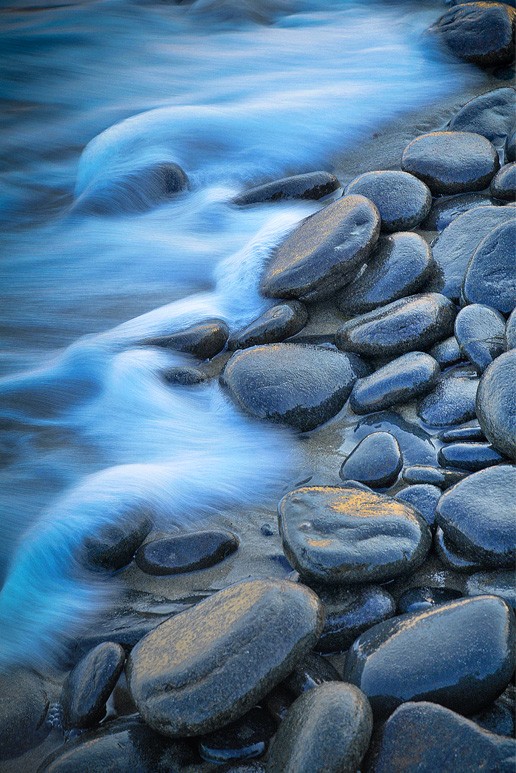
(481, 33)
(451, 162)
(321, 254)
(23, 708)
(193, 674)
(326, 730)
(469, 456)
(403, 201)
(375, 461)
(312, 185)
(490, 276)
(480, 332)
(274, 325)
(395, 661)
(447, 208)
(398, 266)
(421, 474)
(418, 599)
(114, 546)
(310, 672)
(453, 399)
(346, 536)
(409, 324)
(496, 407)
(503, 184)
(477, 516)
(424, 497)
(302, 386)
(204, 339)
(185, 552)
(246, 738)
(491, 114)
(428, 738)
(493, 583)
(89, 685)
(510, 331)
(447, 352)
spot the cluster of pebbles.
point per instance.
(364, 656)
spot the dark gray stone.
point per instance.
(469, 456)
(398, 266)
(244, 739)
(23, 708)
(114, 546)
(185, 552)
(185, 375)
(276, 324)
(204, 339)
(493, 583)
(310, 672)
(500, 716)
(470, 434)
(480, 332)
(496, 406)
(403, 201)
(447, 352)
(491, 114)
(510, 147)
(302, 386)
(481, 33)
(424, 497)
(417, 599)
(453, 399)
(343, 536)
(490, 276)
(326, 730)
(420, 474)
(510, 331)
(89, 685)
(322, 253)
(312, 185)
(395, 661)
(207, 667)
(503, 184)
(450, 557)
(416, 445)
(375, 461)
(412, 323)
(447, 208)
(451, 162)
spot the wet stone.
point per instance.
(428, 738)
(343, 536)
(246, 738)
(496, 407)
(411, 375)
(207, 667)
(313, 185)
(398, 266)
(302, 386)
(451, 162)
(450, 557)
(185, 552)
(503, 184)
(477, 516)
(510, 147)
(403, 201)
(204, 339)
(447, 208)
(89, 685)
(376, 461)
(453, 399)
(322, 253)
(510, 331)
(276, 324)
(490, 276)
(326, 730)
(470, 434)
(499, 717)
(419, 474)
(395, 661)
(491, 114)
(469, 456)
(447, 352)
(424, 497)
(493, 583)
(480, 331)
(419, 599)
(23, 709)
(416, 445)
(114, 546)
(409, 324)
(184, 375)
(312, 671)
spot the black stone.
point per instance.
(312, 671)
(185, 552)
(491, 114)
(244, 739)
(403, 201)
(499, 717)
(24, 705)
(424, 497)
(503, 184)
(480, 332)
(510, 147)
(471, 434)
(276, 324)
(420, 474)
(469, 456)
(416, 445)
(114, 546)
(449, 556)
(498, 582)
(490, 276)
(453, 399)
(419, 599)
(447, 352)
(313, 185)
(447, 208)
(204, 339)
(496, 406)
(375, 461)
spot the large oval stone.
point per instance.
(403, 201)
(479, 32)
(318, 257)
(458, 654)
(302, 386)
(490, 276)
(185, 552)
(203, 339)
(375, 461)
(447, 208)
(312, 185)
(503, 184)
(496, 406)
(346, 535)
(208, 666)
(480, 332)
(23, 708)
(490, 114)
(453, 399)
(274, 325)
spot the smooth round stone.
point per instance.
(207, 667)
(302, 386)
(456, 654)
(276, 324)
(186, 552)
(510, 331)
(480, 332)
(310, 672)
(326, 730)
(403, 201)
(478, 516)
(419, 474)
(491, 114)
(313, 185)
(447, 208)
(344, 536)
(469, 456)
(447, 352)
(424, 497)
(114, 546)
(490, 276)
(376, 461)
(496, 406)
(406, 377)
(455, 246)
(204, 339)
(481, 33)
(349, 612)
(398, 266)
(493, 583)
(503, 184)
(412, 323)
(319, 256)
(184, 375)
(472, 434)
(449, 556)
(453, 399)
(427, 738)
(24, 705)
(89, 685)
(451, 162)
(419, 599)
(246, 738)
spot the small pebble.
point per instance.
(376, 461)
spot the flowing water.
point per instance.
(235, 92)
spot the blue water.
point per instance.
(236, 92)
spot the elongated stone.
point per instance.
(480, 332)
(496, 406)
(272, 326)
(204, 339)
(490, 276)
(89, 685)
(312, 185)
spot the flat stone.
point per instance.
(447, 352)
(375, 461)
(396, 661)
(453, 399)
(490, 276)
(480, 332)
(428, 738)
(499, 582)
(302, 386)
(322, 253)
(403, 201)
(326, 730)
(412, 323)
(450, 557)
(207, 667)
(469, 456)
(113, 546)
(510, 331)
(411, 375)
(481, 33)
(420, 474)
(423, 497)
(477, 516)
(312, 185)
(276, 324)
(244, 739)
(23, 709)
(185, 552)
(204, 339)
(503, 184)
(344, 536)
(418, 599)
(496, 407)
(470, 434)
(491, 114)
(309, 673)
(447, 208)
(398, 266)
(88, 686)
(451, 162)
